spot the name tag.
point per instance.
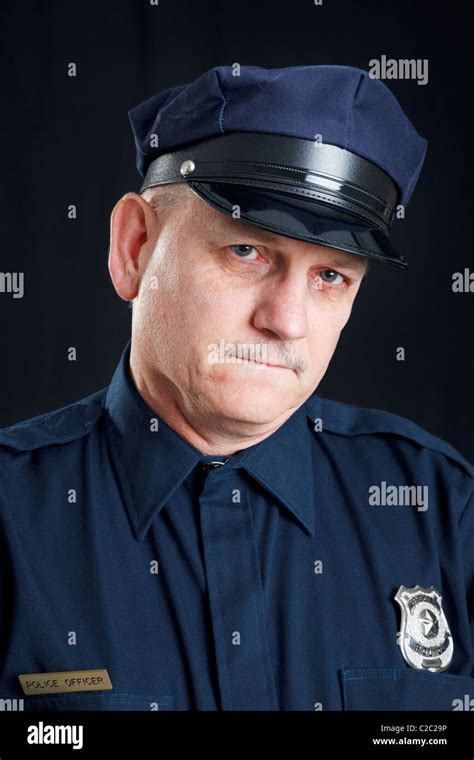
(67, 680)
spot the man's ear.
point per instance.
(133, 225)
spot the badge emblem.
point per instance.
(424, 637)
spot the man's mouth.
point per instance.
(267, 364)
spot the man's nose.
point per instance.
(282, 308)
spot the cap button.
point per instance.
(187, 167)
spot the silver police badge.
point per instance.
(424, 637)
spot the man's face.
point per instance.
(213, 289)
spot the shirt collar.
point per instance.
(152, 463)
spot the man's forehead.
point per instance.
(224, 224)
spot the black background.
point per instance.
(68, 141)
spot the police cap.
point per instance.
(323, 154)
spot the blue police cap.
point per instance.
(323, 154)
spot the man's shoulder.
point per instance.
(58, 426)
(345, 419)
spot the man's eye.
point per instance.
(242, 250)
(329, 276)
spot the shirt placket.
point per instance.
(236, 595)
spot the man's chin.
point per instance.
(254, 406)
(256, 396)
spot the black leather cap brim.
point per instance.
(301, 218)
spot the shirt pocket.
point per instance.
(405, 689)
(103, 701)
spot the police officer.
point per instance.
(207, 532)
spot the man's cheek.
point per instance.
(323, 344)
(340, 317)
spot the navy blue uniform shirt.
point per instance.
(263, 583)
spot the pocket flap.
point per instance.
(405, 689)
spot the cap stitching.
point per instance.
(309, 193)
(349, 134)
(221, 114)
(263, 165)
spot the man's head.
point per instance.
(244, 275)
(208, 290)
